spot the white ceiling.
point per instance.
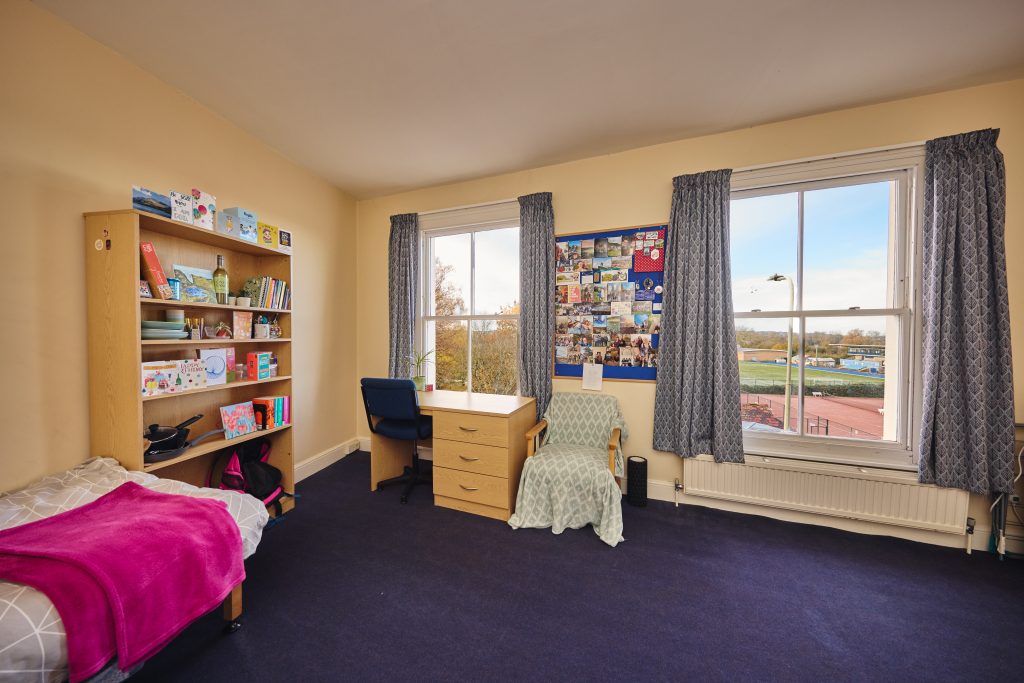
(381, 96)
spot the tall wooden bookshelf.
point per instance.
(118, 412)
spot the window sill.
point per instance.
(886, 457)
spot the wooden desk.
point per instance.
(479, 447)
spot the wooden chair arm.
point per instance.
(531, 437)
(613, 442)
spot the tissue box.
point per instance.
(242, 222)
(204, 206)
(181, 206)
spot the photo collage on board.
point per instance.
(608, 308)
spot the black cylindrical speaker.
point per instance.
(636, 481)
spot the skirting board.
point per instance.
(314, 464)
(665, 491)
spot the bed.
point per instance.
(32, 642)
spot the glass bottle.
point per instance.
(220, 281)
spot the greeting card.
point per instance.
(238, 420)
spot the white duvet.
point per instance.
(32, 642)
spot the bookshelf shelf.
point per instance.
(210, 446)
(150, 222)
(212, 342)
(171, 303)
(220, 387)
(118, 413)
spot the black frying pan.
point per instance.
(168, 438)
(170, 442)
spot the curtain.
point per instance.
(967, 433)
(536, 297)
(697, 398)
(403, 280)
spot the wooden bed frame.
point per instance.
(232, 609)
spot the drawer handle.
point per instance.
(469, 488)
(468, 459)
(469, 429)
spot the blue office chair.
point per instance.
(394, 403)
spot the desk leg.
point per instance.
(388, 458)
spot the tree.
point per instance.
(495, 343)
(450, 343)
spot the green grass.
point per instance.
(762, 371)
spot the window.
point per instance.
(469, 311)
(822, 259)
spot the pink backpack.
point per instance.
(247, 471)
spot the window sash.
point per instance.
(468, 220)
(903, 166)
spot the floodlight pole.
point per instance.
(789, 347)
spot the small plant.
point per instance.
(419, 362)
(251, 288)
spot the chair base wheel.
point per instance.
(232, 626)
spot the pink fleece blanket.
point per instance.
(128, 571)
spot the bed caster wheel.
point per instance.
(232, 626)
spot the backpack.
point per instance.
(247, 471)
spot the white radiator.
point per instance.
(868, 494)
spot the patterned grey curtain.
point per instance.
(536, 297)
(967, 423)
(697, 399)
(403, 280)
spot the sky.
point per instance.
(497, 267)
(846, 238)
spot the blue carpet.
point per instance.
(354, 586)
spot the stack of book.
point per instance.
(273, 294)
(272, 411)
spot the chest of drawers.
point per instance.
(478, 456)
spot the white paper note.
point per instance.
(592, 376)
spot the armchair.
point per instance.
(569, 479)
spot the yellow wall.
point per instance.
(79, 125)
(634, 187)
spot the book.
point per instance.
(159, 377)
(216, 365)
(264, 410)
(229, 357)
(191, 374)
(154, 272)
(258, 365)
(238, 420)
(241, 324)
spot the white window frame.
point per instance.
(904, 164)
(469, 220)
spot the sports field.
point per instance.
(776, 371)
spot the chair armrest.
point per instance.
(531, 437)
(613, 443)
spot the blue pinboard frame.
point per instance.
(577, 317)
